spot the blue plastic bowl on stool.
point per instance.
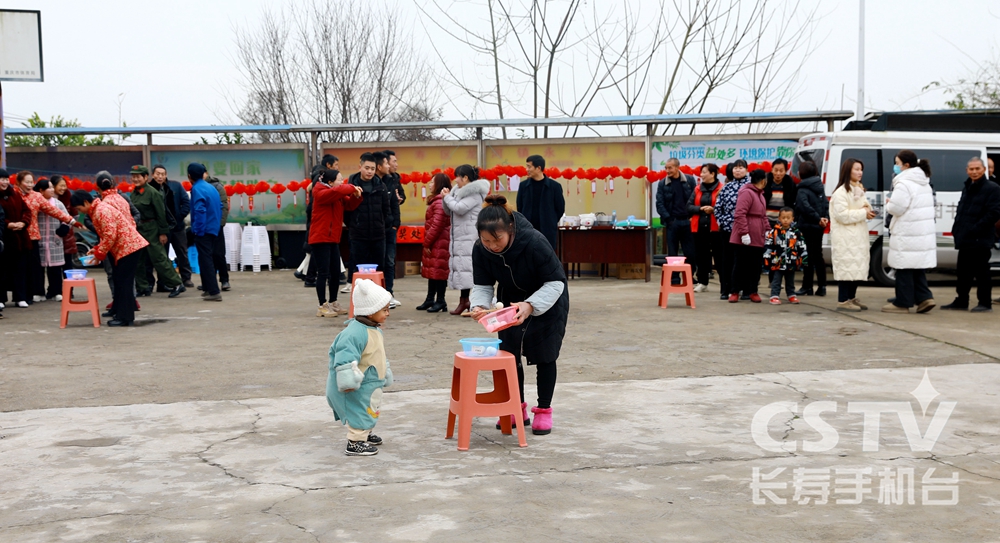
(480, 346)
(367, 268)
(75, 274)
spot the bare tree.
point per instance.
(305, 65)
(978, 90)
(671, 56)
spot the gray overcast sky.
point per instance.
(171, 61)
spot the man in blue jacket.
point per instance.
(206, 220)
(179, 206)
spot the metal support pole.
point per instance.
(861, 64)
(312, 156)
(146, 155)
(648, 161)
(3, 138)
(480, 148)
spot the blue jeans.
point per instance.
(389, 266)
(789, 277)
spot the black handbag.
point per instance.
(62, 230)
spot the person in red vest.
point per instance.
(709, 242)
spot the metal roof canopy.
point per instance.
(628, 120)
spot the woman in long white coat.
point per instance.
(849, 245)
(463, 203)
(912, 238)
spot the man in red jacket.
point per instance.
(330, 197)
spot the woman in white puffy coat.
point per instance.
(912, 237)
(463, 203)
(849, 245)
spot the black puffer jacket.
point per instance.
(370, 220)
(977, 213)
(811, 204)
(394, 187)
(519, 272)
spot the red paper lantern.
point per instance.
(722, 169)
(652, 176)
(278, 188)
(552, 172)
(641, 171)
(627, 173)
(251, 190)
(520, 170)
(262, 187)
(240, 188)
(89, 186)
(230, 191)
(567, 174)
(592, 173)
(126, 187)
(293, 186)
(615, 171)
(450, 172)
(766, 166)
(186, 185)
(435, 171)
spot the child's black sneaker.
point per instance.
(374, 440)
(360, 448)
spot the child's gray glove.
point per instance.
(349, 377)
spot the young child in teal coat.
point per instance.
(359, 369)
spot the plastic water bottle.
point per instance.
(614, 218)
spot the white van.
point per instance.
(948, 153)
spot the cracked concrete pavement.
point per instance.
(211, 426)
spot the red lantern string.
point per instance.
(186, 185)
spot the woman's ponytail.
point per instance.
(496, 216)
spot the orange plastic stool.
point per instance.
(90, 304)
(686, 286)
(376, 277)
(502, 401)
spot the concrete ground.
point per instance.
(208, 423)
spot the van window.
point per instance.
(868, 157)
(947, 167)
(815, 155)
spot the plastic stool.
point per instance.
(686, 286)
(376, 277)
(502, 401)
(90, 304)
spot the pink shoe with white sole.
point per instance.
(542, 425)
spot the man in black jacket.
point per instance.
(672, 195)
(977, 213)
(812, 214)
(396, 198)
(366, 225)
(540, 200)
(178, 206)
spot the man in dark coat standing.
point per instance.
(812, 214)
(672, 195)
(366, 225)
(541, 201)
(396, 198)
(977, 213)
(178, 206)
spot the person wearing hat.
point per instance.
(155, 228)
(359, 369)
(206, 221)
(179, 206)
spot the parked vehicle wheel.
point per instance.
(883, 275)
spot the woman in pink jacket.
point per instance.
(750, 227)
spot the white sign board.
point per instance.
(20, 45)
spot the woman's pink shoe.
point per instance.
(542, 425)
(524, 415)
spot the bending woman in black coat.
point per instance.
(520, 262)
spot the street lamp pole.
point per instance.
(861, 61)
